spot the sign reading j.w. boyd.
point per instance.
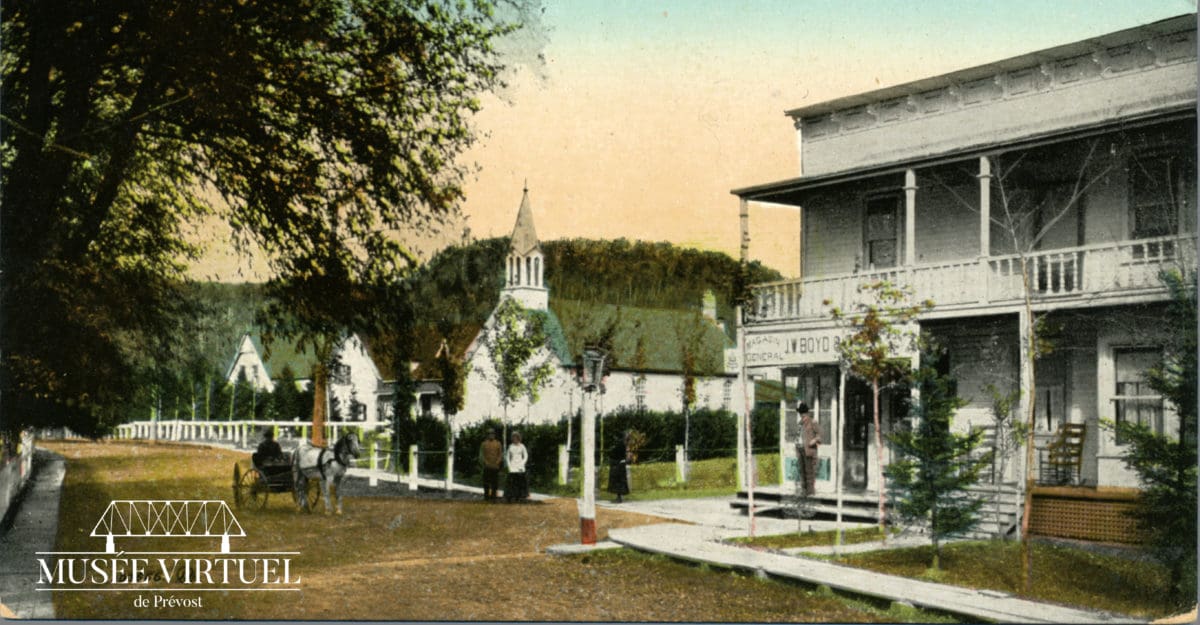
(804, 347)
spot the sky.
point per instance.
(647, 113)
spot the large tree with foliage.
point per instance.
(1166, 462)
(935, 466)
(314, 130)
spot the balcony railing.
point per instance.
(1102, 270)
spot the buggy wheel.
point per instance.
(310, 494)
(252, 490)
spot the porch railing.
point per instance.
(1108, 269)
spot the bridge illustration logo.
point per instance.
(158, 518)
(154, 572)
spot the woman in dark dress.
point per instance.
(618, 475)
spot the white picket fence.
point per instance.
(376, 460)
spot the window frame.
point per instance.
(871, 201)
(1157, 421)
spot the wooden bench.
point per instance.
(1061, 461)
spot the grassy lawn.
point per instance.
(714, 477)
(410, 558)
(1063, 575)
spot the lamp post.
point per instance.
(593, 371)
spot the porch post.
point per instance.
(839, 419)
(745, 452)
(985, 225)
(985, 206)
(910, 218)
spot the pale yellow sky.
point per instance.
(653, 111)
(649, 112)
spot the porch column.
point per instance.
(910, 218)
(985, 207)
(985, 226)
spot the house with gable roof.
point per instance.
(355, 380)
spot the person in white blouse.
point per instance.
(516, 488)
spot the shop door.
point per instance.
(858, 419)
(817, 387)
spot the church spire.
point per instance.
(525, 261)
(524, 236)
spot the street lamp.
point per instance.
(590, 379)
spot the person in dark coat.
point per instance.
(268, 450)
(618, 473)
(491, 456)
(810, 438)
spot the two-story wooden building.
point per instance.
(1077, 162)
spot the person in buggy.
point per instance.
(269, 451)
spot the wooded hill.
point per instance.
(461, 285)
(455, 291)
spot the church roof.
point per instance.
(524, 237)
(663, 335)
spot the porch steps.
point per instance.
(1000, 516)
(996, 521)
(777, 501)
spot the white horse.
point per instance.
(324, 464)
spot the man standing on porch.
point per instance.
(810, 438)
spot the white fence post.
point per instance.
(372, 480)
(412, 468)
(564, 465)
(680, 464)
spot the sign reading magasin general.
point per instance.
(793, 348)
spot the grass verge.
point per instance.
(1064, 575)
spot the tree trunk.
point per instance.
(879, 458)
(1030, 357)
(320, 391)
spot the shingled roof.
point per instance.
(663, 335)
(281, 353)
(524, 237)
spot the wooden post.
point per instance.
(587, 503)
(372, 479)
(680, 465)
(412, 468)
(450, 464)
(564, 465)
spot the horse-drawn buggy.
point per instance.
(306, 472)
(252, 485)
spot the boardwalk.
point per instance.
(702, 545)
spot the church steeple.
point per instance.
(525, 262)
